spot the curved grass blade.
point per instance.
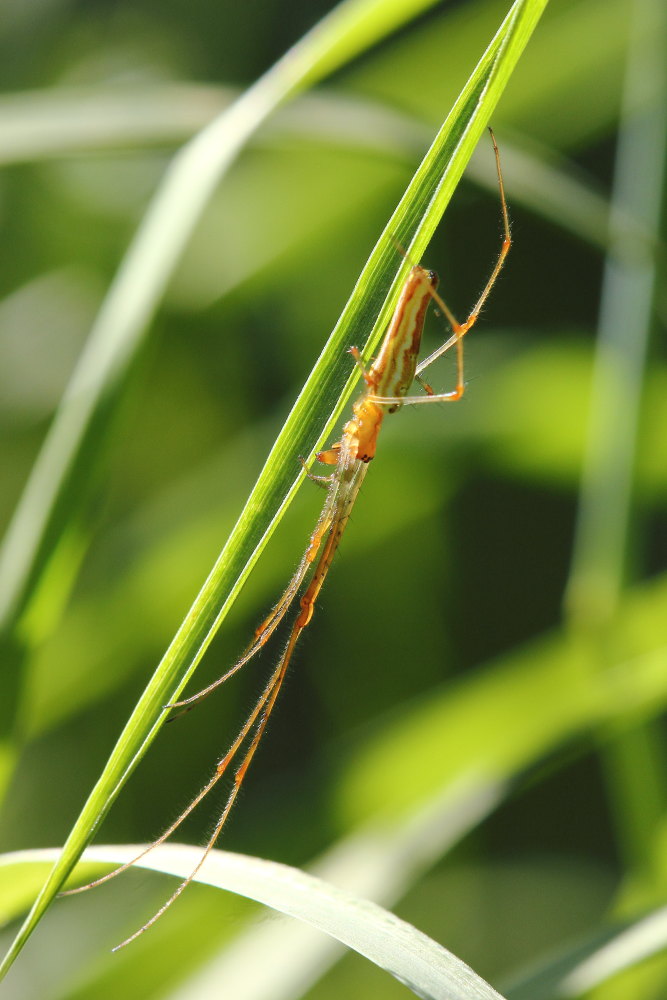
(416, 960)
(314, 413)
(41, 125)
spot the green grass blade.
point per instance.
(308, 424)
(61, 475)
(596, 959)
(416, 960)
(42, 125)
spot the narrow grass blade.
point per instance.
(422, 964)
(589, 963)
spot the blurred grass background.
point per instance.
(465, 540)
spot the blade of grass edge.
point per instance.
(413, 223)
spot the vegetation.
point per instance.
(471, 734)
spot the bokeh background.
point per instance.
(465, 607)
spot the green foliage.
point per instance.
(442, 688)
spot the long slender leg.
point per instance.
(265, 706)
(220, 769)
(264, 632)
(460, 329)
(258, 719)
(156, 843)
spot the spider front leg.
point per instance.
(459, 330)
